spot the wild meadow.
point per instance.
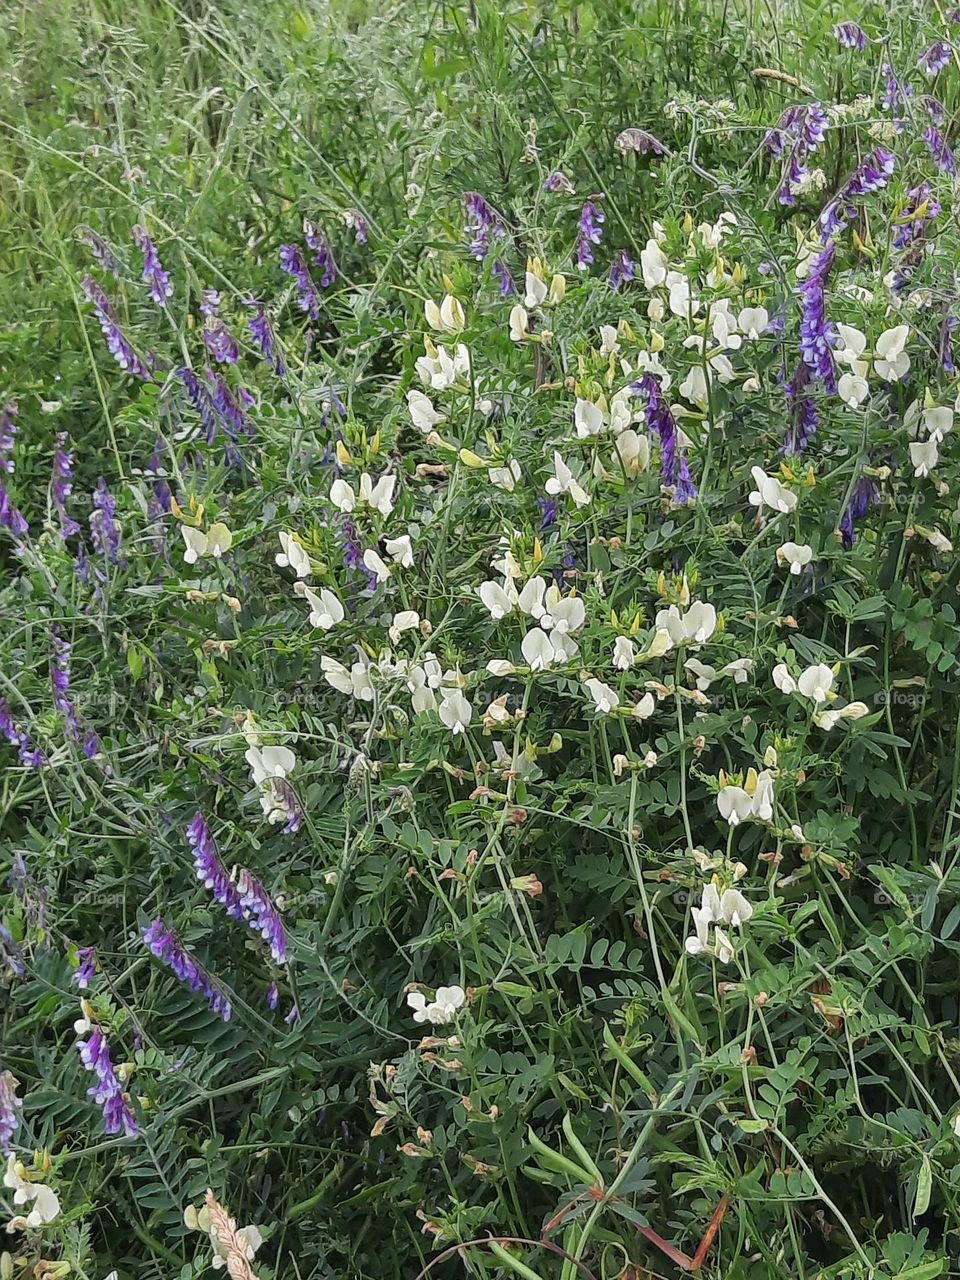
(479, 640)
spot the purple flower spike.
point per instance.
(61, 486)
(272, 996)
(10, 1106)
(220, 342)
(933, 60)
(896, 96)
(86, 970)
(863, 496)
(60, 683)
(261, 914)
(264, 339)
(11, 518)
(117, 1114)
(481, 224)
(291, 261)
(804, 418)
(166, 946)
(850, 36)
(816, 333)
(621, 269)
(318, 243)
(873, 175)
(104, 529)
(210, 303)
(154, 277)
(589, 233)
(548, 513)
(937, 146)
(8, 432)
(117, 345)
(674, 472)
(31, 757)
(210, 870)
(102, 253)
(501, 274)
(202, 401)
(357, 223)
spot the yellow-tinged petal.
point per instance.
(471, 459)
(374, 445)
(656, 341)
(722, 778)
(537, 552)
(750, 781)
(614, 620)
(343, 455)
(448, 284)
(558, 290)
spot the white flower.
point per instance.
(735, 804)
(588, 418)
(852, 389)
(633, 450)
(753, 321)
(892, 362)
(680, 298)
(740, 668)
(499, 600)
(535, 291)
(373, 561)
(293, 556)
(852, 711)
(563, 614)
(325, 609)
(644, 708)
(505, 477)
(816, 682)
(448, 316)
(924, 456)
(722, 946)
(422, 413)
(537, 650)
(406, 620)
(519, 323)
(605, 698)
(400, 550)
(530, 599)
(770, 492)
(783, 679)
(695, 626)
(624, 653)
(694, 387)
(46, 1205)
(705, 675)
(938, 421)
(763, 797)
(563, 481)
(250, 1241)
(355, 681)
(939, 541)
(851, 346)
(455, 711)
(417, 1001)
(500, 667)
(653, 264)
(269, 762)
(609, 346)
(796, 555)
(217, 540)
(379, 496)
(446, 1003)
(735, 910)
(442, 370)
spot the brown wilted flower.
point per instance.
(640, 142)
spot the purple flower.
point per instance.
(264, 339)
(154, 276)
(95, 1056)
(804, 418)
(210, 302)
(272, 996)
(10, 517)
(86, 969)
(220, 342)
(548, 513)
(863, 496)
(291, 261)
(948, 328)
(8, 431)
(932, 61)
(292, 1016)
(60, 683)
(104, 529)
(318, 243)
(102, 253)
(896, 95)
(942, 155)
(850, 36)
(357, 223)
(261, 914)
(501, 274)
(805, 125)
(621, 269)
(816, 333)
(558, 181)
(210, 870)
(117, 345)
(674, 472)
(61, 486)
(202, 401)
(589, 233)
(166, 946)
(31, 757)
(349, 539)
(873, 175)
(10, 1106)
(481, 223)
